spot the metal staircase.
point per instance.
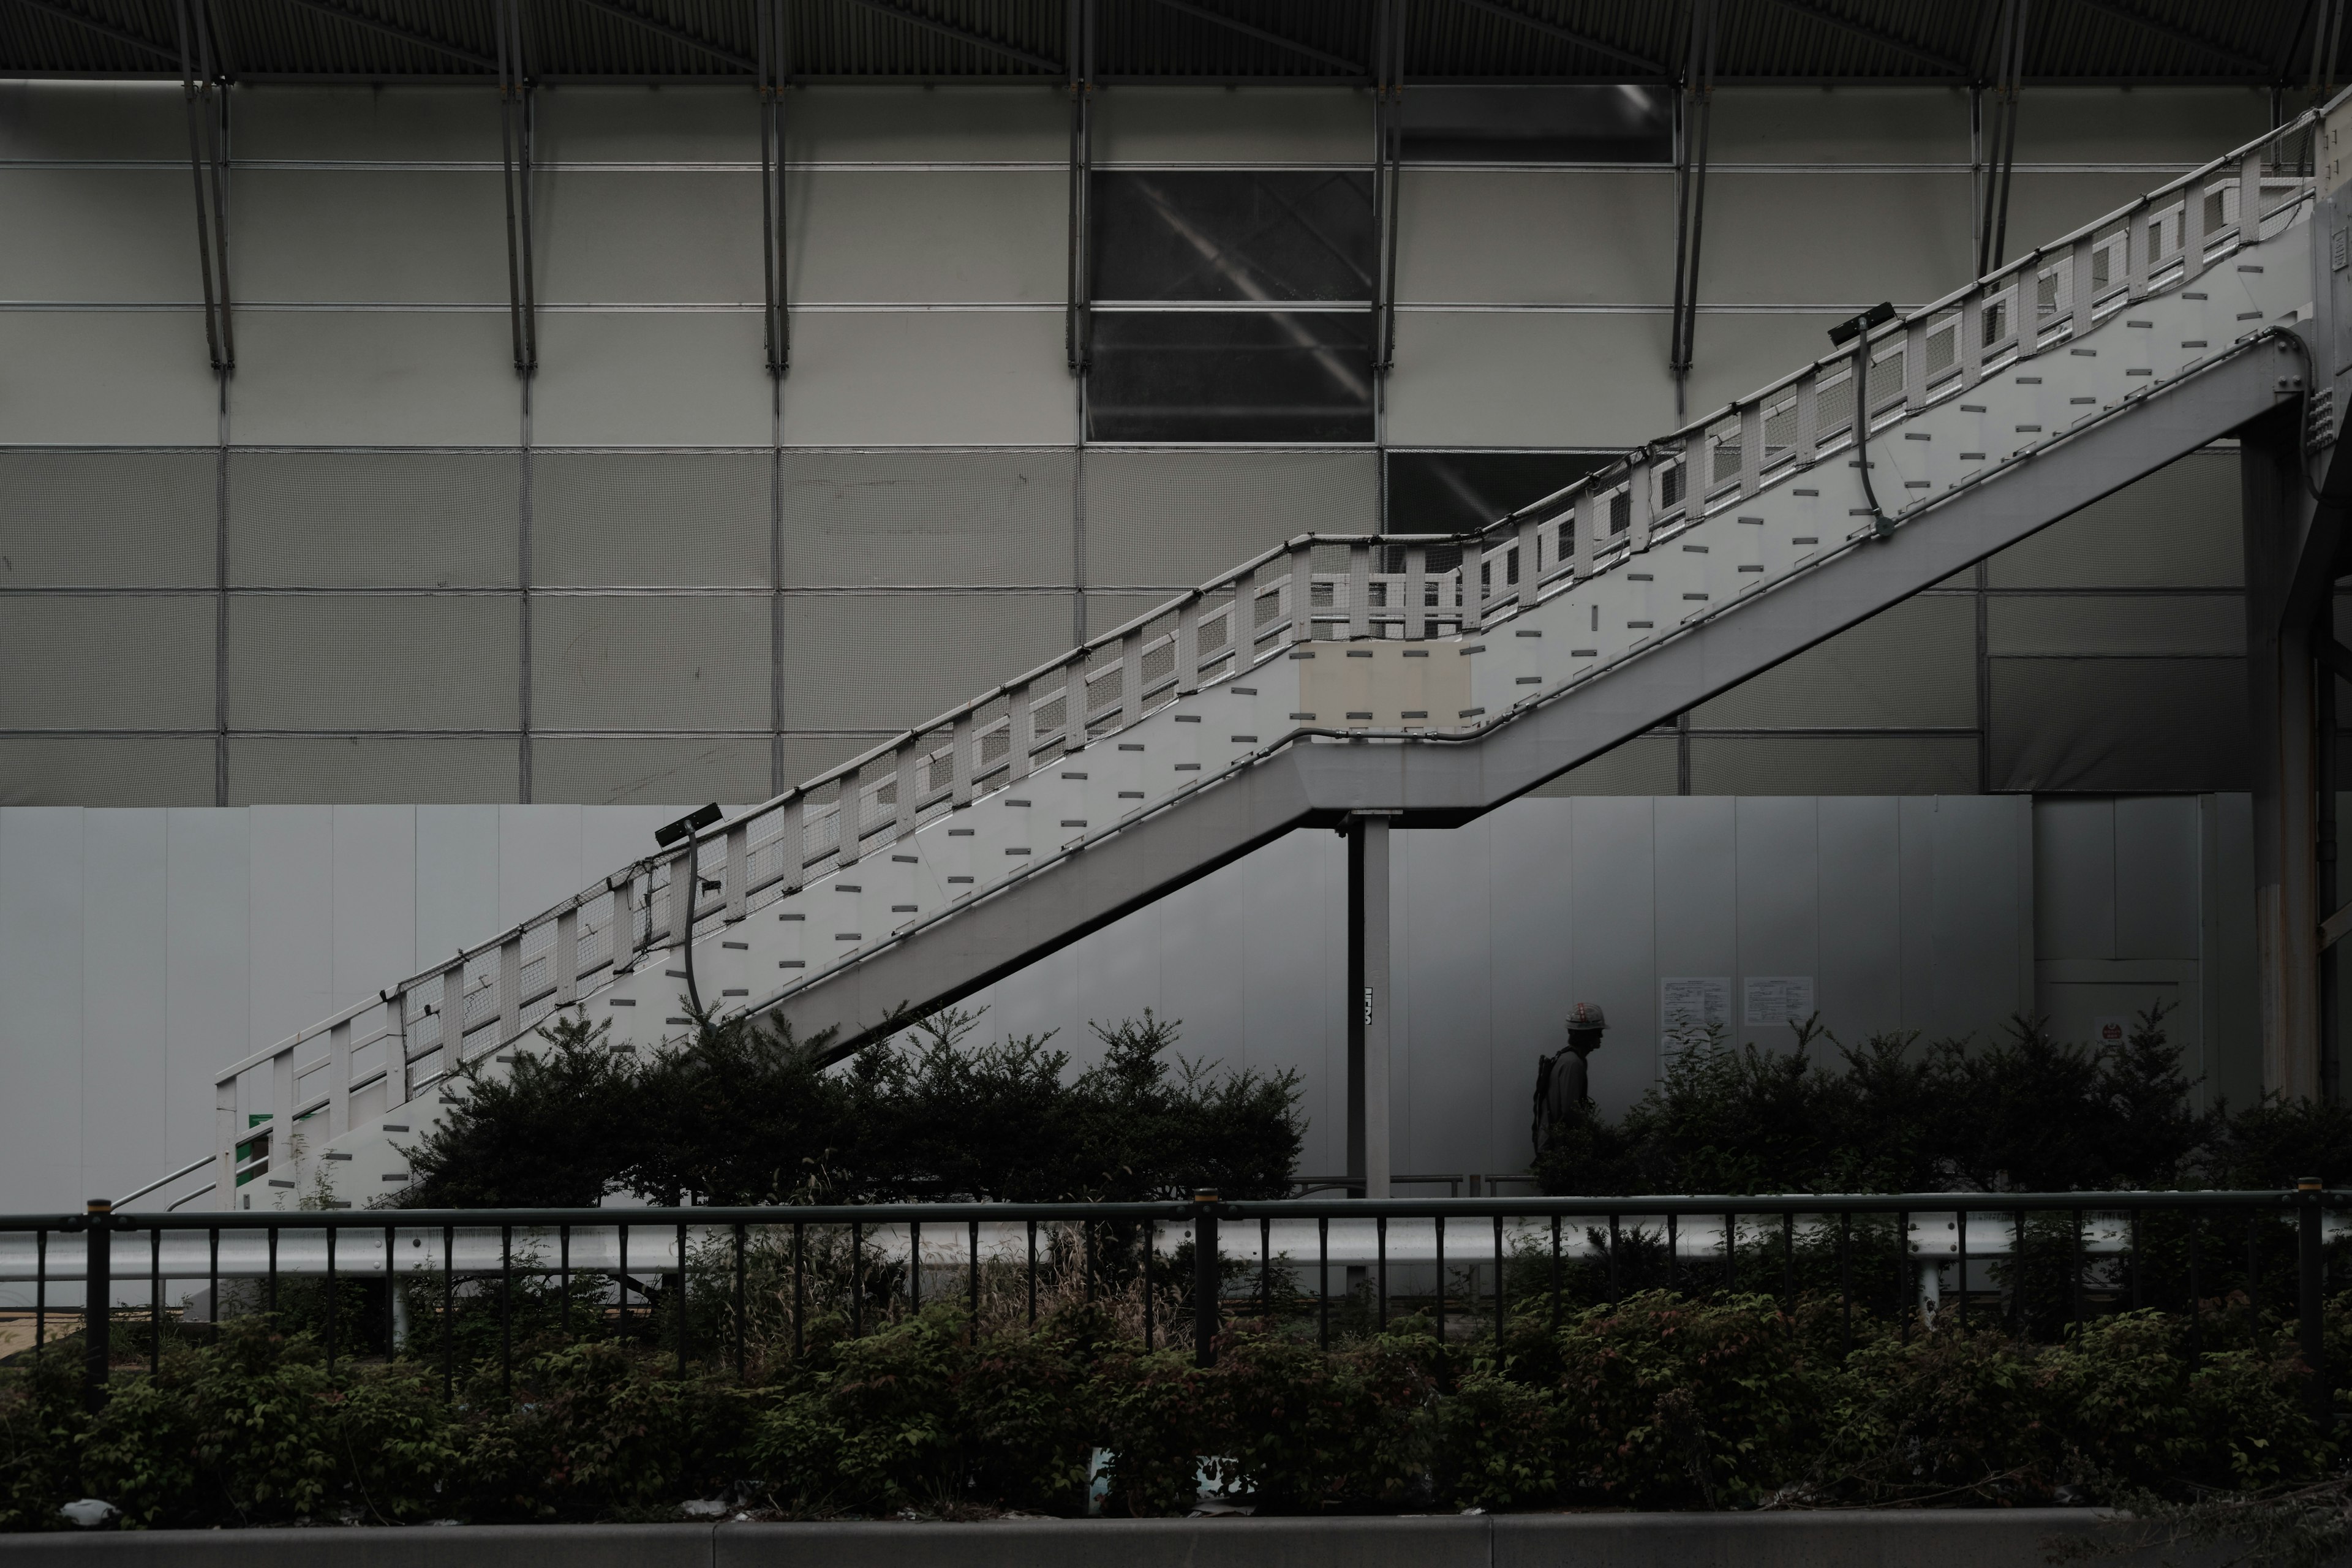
(1430, 679)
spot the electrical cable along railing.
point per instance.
(719, 1290)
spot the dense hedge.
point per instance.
(1659, 1402)
(2027, 1112)
(744, 1114)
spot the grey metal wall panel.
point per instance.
(47, 120)
(123, 1010)
(2070, 624)
(642, 519)
(1902, 236)
(2075, 878)
(892, 124)
(621, 770)
(373, 864)
(371, 769)
(2177, 528)
(2046, 204)
(1780, 891)
(105, 771)
(928, 518)
(1983, 912)
(373, 235)
(368, 662)
(647, 237)
(107, 518)
(291, 904)
(374, 378)
(207, 942)
(1107, 612)
(1613, 932)
(1908, 666)
(1839, 125)
(2141, 125)
(1222, 125)
(927, 378)
(2119, 724)
(1832, 765)
(613, 836)
(806, 756)
(650, 664)
(434, 125)
(582, 122)
(895, 236)
(661, 379)
(106, 378)
(1859, 982)
(41, 1009)
(457, 879)
(1173, 519)
(1697, 894)
(856, 661)
(1527, 236)
(1445, 1032)
(373, 520)
(2157, 882)
(1736, 354)
(88, 663)
(1497, 379)
(538, 859)
(1529, 968)
(2232, 1023)
(106, 235)
(1643, 765)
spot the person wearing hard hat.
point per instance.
(1561, 1087)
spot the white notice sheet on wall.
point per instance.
(1689, 1006)
(1768, 1000)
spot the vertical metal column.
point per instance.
(1077, 323)
(97, 1294)
(2325, 785)
(1690, 195)
(1367, 1005)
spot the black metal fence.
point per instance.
(702, 1283)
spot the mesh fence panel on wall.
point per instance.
(107, 518)
(373, 520)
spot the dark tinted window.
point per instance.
(1599, 124)
(1235, 234)
(1452, 492)
(1230, 375)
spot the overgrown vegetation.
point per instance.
(2024, 1114)
(1659, 1401)
(745, 1114)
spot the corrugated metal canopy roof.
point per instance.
(2256, 42)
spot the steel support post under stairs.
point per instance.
(1367, 1005)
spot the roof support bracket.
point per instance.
(1697, 100)
(207, 108)
(515, 106)
(1077, 329)
(1388, 120)
(773, 71)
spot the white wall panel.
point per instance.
(2158, 885)
(928, 518)
(41, 980)
(374, 378)
(423, 123)
(105, 236)
(651, 379)
(208, 947)
(1225, 125)
(374, 899)
(928, 377)
(613, 836)
(538, 859)
(368, 236)
(646, 237)
(126, 953)
(106, 378)
(368, 662)
(1536, 236)
(84, 662)
(1497, 379)
(1839, 125)
(292, 905)
(1859, 982)
(650, 663)
(891, 124)
(988, 235)
(1698, 895)
(1444, 1088)
(456, 880)
(2075, 878)
(1776, 852)
(1612, 925)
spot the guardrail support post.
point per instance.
(2310, 1267)
(1207, 1277)
(98, 1290)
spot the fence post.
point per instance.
(98, 1290)
(1206, 1278)
(2311, 1266)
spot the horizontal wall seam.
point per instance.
(1029, 166)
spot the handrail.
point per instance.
(190, 1169)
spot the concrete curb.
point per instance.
(1907, 1539)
